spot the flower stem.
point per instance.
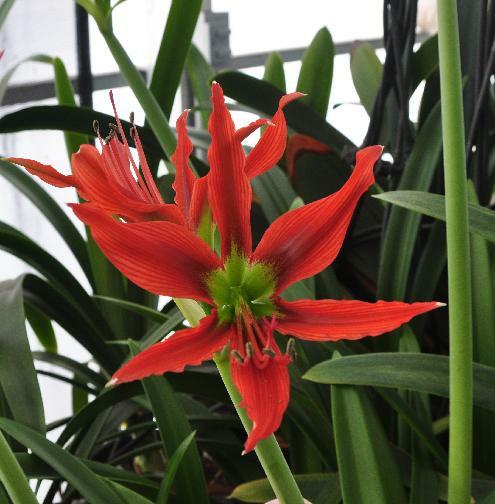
(12, 477)
(460, 310)
(268, 451)
(154, 114)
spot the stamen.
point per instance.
(269, 351)
(249, 350)
(237, 356)
(291, 348)
(140, 181)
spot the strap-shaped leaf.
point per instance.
(18, 379)
(368, 470)
(174, 428)
(315, 76)
(66, 465)
(421, 372)
(481, 219)
(51, 210)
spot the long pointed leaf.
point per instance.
(18, 378)
(174, 428)
(481, 219)
(69, 467)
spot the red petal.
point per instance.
(186, 347)
(184, 177)
(297, 145)
(161, 257)
(199, 202)
(100, 185)
(265, 395)
(304, 241)
(242, 133)
(47, 173)
(271, 145)
(348, 319)
(229, 191)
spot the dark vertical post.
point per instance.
(85, 77)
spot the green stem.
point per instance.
(460, 310)
(12, 477)
(268, 451)
(154, 114)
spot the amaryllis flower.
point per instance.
(112, 179)
(243, 287)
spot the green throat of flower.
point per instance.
(242, 287)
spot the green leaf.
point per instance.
(175, 317)
(481, 219)
(127, 495)
(75, 119)
(80, 371)
(483, 341)
(264, 97)
(395, 262)
(315, 76)
(25, 249)
(274, 71)
(56, 306)
(65, 96)
(424, 61)
(200, 74)
(174, 47)
(368, 471)
(311, 486)
(274, 192)
(366, 72)
(190, 482)
(173, 465)
(18, 379)
(4, 81)
(42, 327)
(51, 210)
(144, 311)
(12, 477)
(69, 467)
(421, 372)
(4, 10)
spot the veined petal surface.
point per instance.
(331, 320)
(159, 256)
(304, 241)
(229, 191)
(185, 347)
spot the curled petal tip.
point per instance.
(111, 383)
(440, 305)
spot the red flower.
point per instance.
(243, 287)
(112, 179)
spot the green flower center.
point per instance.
(242, 287)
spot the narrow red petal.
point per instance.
(299, 144)
(267, 152)
(242, 133)
(265, 395)
(304, 241)
(199, 202)
(110, 192)
(184, 177)
(47, 173)
(229, 191)
(161, 257)
(330, 320)
(186, 347)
